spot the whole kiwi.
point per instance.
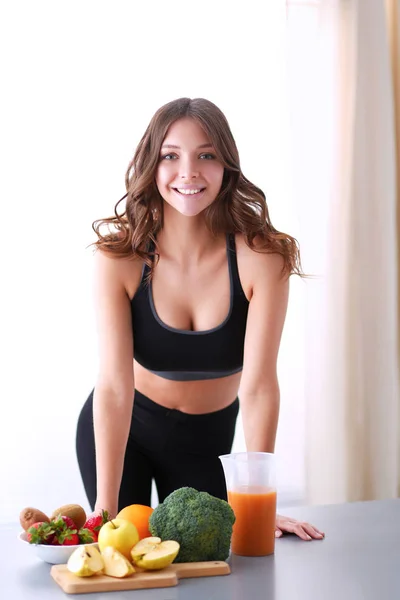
(74, 511)
(29, 516)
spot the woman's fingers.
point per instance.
(303, 530)
(299, 529)
(312, 531)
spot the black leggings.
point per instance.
(175, 449)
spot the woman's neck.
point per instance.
(185, 239)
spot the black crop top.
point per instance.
(185, 355)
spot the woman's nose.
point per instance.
(188, 168)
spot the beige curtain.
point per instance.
(393, 25)
(352, 443)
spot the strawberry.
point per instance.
(87, 536)
(69, 537)
(55, 542)
(96, 522)
(61, 522)
(65, 532)
(40, 533)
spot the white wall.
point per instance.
(83, 79)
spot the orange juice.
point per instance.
(254, 529)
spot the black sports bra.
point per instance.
(185, 355)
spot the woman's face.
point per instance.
(188, 176)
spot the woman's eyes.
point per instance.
(172, 156)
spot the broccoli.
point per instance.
(200, 523)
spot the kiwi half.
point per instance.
(29, 516)
(74, 511)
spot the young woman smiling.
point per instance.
(192, 284)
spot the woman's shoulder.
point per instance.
(125, 271)
(257, 268)
(257, 258)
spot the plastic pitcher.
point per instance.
(251, 485)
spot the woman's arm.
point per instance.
(114, 390)
(259, 388)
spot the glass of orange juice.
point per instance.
(251, 485)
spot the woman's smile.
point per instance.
(189, 191)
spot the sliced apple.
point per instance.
(115, 563)
(85, 561)
(153, 554)
(144, 546)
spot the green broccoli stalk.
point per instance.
(199, 522)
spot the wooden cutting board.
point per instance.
(168, 577)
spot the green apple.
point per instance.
(153, 554)
(120, 534)
(115, 563)
(85, 561)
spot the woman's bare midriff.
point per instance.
(192, 397)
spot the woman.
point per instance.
(191, 296)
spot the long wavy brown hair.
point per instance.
(240, 206)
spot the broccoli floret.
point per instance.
(200, 523)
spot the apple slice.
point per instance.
(144, 546)
(85, 561)
(153, 554)
(115, 563)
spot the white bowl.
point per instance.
(55, 555)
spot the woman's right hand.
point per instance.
(110, 507)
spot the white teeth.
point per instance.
(188, 192)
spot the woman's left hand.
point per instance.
(305, 531)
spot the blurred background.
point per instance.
(312, 93)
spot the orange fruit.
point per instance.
(139, 515)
